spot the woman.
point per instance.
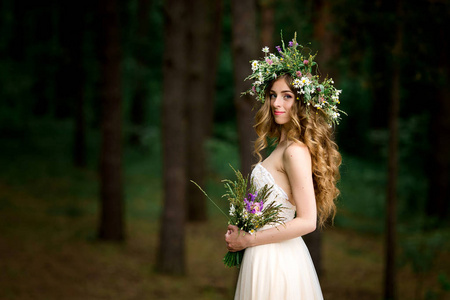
(298, 112)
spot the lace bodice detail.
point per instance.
(261, 177)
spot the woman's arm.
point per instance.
(297, 165)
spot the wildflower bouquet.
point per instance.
(249, 210)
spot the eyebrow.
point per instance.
(285, 91)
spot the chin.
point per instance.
(280, 122)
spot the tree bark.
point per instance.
(328, 41)
(390, 282)
(267, 23)
(77, 78)
(245, 48)
(214, 38)
(322, 19)
(197, 120)
(439, 164)
(111, 185)
(171, 251)
(138, 103)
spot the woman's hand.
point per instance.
(236, 239)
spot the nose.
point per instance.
(277, 101)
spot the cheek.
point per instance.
(272, 103)
(290, 105)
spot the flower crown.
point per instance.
(296, 61)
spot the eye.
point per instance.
(272, 96)
(287, 96)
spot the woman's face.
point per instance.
(281, 100)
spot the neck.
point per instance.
(282, 135)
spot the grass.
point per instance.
(49, 250)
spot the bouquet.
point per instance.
(249, 210)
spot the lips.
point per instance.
(277, 113)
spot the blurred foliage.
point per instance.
(33, 117)
(27, 80)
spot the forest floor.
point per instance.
(49, 219)
(48, 250)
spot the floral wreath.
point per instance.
(296, 61)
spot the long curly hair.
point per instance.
(310, 127)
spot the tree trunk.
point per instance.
(214, 38)
(267, 23)
(328, 41)
(197, 120)
(77, 77)
(439, 187)
(390, 282)
(138, 103)
(79, 145)
(171, 252)
(322, 19)
(111, 186)
(245, 48)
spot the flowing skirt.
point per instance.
(278, 271)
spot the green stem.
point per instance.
(211, 200)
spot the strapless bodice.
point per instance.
(261, 176)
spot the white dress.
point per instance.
(277, 271)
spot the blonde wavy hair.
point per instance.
(312, 129)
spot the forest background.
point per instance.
(108, 108)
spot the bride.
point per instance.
(298, 111)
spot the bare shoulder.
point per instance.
(296, 153)
(297, 159)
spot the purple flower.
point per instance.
(269, 61)
(318, 89)
(278, 48)
(305, 62)
(291, 43)
(299, 74)
(256, 207)
(252, 196)
(247, 204)
(251, 205)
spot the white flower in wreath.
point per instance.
(305, 81)
(260, 76)
(274, 58)
(255, 65)
(297, 83)
(335, 115)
